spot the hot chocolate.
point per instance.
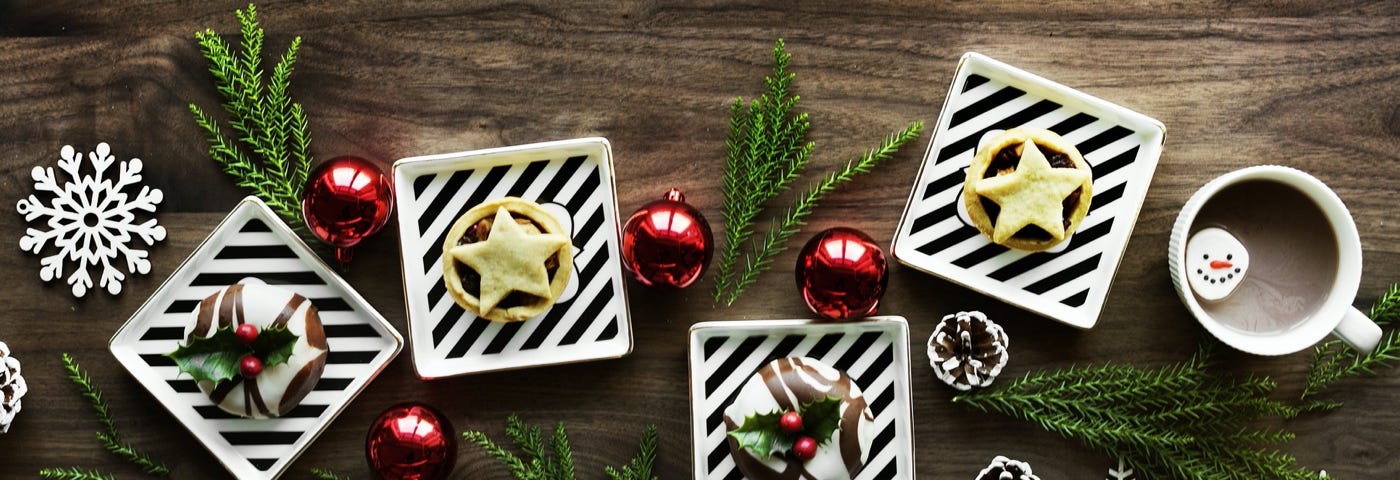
(1293, 255)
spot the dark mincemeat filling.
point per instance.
(471, 280)
(1005, 162)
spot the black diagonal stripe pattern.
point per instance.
(982, 106)
(947, 178)
(724, 355)
(577, 184)
(969, 142)
(275, 262)
(450, 188)
(973, 81)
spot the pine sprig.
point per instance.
(554, 459)
(1177, 421)
(639, 468)
(324, 474)
(74, 473)
(765, 151)
(775, 241)
(271, 155)
(109, 437)
(1334, 360)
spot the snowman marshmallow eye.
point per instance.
(1217, 264)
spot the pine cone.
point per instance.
(12, 387)
(967, 350)
(1003, 468)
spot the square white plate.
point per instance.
(1068, 283)
(573, 179)
(873, 352)
(252, 242)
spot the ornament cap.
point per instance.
(674, 195)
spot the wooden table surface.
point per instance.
(1313, 85)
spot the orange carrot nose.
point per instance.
(1220, 264)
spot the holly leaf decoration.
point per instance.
(821, 418)
(213, 358)
(762, 433)
(274, 345)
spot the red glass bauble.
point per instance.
(411, 441)
(667, 243)
(842, 274)
(346, 199)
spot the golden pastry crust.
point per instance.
(540, 222)
(979, 184)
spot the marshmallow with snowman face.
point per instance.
(1216, 263)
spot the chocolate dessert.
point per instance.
(277, 389)
(785, 386)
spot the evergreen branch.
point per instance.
(765, 152)
(1334, 360)
(517, 467)
(537, 464)
(270, 151)
(563, 454)
(80, 377)
(776, 240)
(1386, 310)
(109, 437)
(554, 460)
(1178, 421)
(325, 474)
(640, 467)
(130, 454)
(301, 149)
(74, 473)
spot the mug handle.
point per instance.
(1358, 331)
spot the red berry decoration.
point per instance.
(346, 200)
(841, 274)
(805, 448)
(411, 441)
(250, 366)
(246, 333)
(667, 243)
(791, 422)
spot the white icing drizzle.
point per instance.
(277, 389)
(803, 380)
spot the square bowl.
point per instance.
(253, 242)
(573, 180)
(873, 352)
(1070, 282)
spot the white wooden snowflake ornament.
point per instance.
(91, 220)
(1120, 473)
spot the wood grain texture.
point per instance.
(1313, 85)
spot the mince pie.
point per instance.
(506, 260)
(1028, 189)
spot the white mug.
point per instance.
(1335, 315)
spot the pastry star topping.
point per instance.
(510, 259)
(1032, 194)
